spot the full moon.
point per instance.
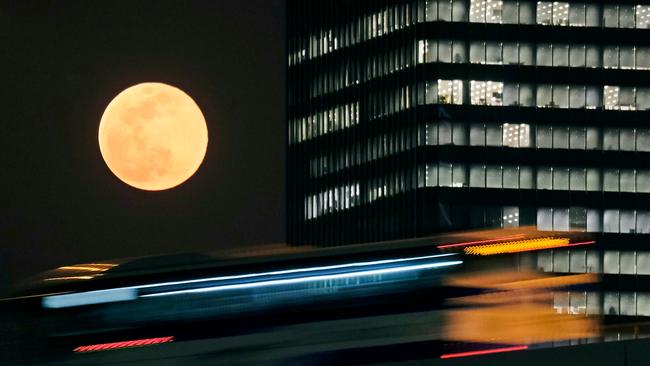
(153, 136)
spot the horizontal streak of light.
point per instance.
(130, 293)
(484, 352)
(518, 246)
(480, 241)
(123, 344)
(582, 243)
(309, 278)
(90, 298)
(69, 278)
(85, 268)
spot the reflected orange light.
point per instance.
(517, 308)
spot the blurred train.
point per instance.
(182, 298)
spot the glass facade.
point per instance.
(411, 117)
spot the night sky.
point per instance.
(63, 61)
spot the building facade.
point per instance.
(407, 118)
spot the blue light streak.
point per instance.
(131, 292)
(290, 281)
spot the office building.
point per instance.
(407, 118)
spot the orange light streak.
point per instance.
(522, 246)
(445, 246)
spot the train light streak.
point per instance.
(478, 242)
(520, 246)
(307, 279)
(123, 344)
(484, 352)
(131, 292)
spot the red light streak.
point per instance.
(518, 236)
(123, 344)
(582, 243)
(484, 352)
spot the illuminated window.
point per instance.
(510, 216)
(450, 91)
(516, 135)
(486, 93)
(611, 96)
(485, 11)
(545, 12)
(552, 13)
(643, 16)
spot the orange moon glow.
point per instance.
(153, 136)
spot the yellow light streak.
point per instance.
(517, 246)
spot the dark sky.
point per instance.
(61, 62)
